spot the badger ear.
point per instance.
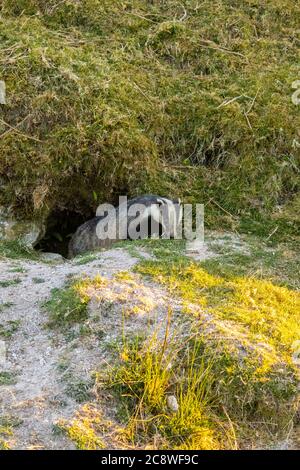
(177, 201)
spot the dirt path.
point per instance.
(35, 393)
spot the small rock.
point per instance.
(29, 232)
(2, 353)
(172, 403)
(2, 92)
(52, 257)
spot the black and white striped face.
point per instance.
(154, 216)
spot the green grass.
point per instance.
(78, 389)
(18, 269)
(16, 250)
(227, 358)
(84, 259)
(65, 307)
(152, 97)
(9, 328)
(268, 312)
(10, 282)
(228, 396)
(38, 280)
(7, 424)
(149, 372)
(7, 378)
(5, 305)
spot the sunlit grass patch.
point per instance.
(66, 306)
(87, 286)
(151, 372)
(123, 292)
(269, 312)
(250, 327)
(83, 429)
(85, 258)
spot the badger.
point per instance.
(138, 218)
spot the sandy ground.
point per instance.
(34, 352)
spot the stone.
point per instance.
(55, 257)
(172, 403)
(2, 92)
(28, 232)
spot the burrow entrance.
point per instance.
(60, 227)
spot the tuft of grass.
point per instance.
(78, 389)
(83, 429)
(149, 372)
(18, 269)
(84, 259)
(17, 250)
(7, 378)
(7, 330)
(10, 421)
(38, 280)
(5, 305)
(66, 306)
(10, 282)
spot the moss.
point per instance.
(129, 97)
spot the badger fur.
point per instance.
(161, 216)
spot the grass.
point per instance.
(149, 372)
(18, 269)
(7, 378)
(5, 305)
(8, 329)
(78, 389)
(175, 99)
(84, 259)
(38, 280)
(227, 360)
(66, 307)
(16, 250)
(82, 430)
(226, 398)
(7, 423)
(264, 311)
(10, 282)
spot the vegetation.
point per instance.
(10, 282)
(16, 250)
(227, 360)
(182, 98)
(66, 307)
(8, 329)
(129, 97)
(7, 378)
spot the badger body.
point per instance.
(87, 238)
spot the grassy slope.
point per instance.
(121, 94)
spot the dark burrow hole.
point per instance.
(60, 227)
